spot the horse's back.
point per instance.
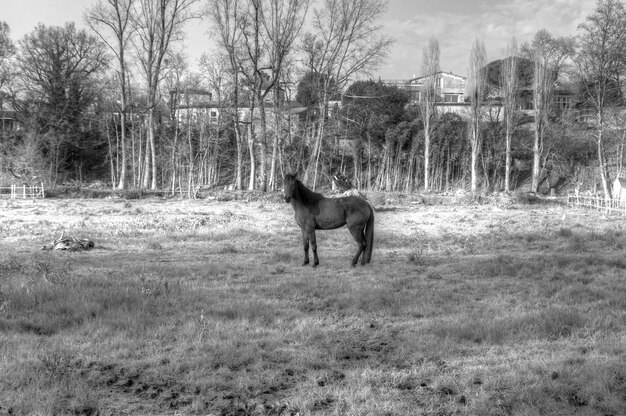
(352, 208)
(356, 205)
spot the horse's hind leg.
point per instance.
(359, 237)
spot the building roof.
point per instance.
(438, 73)
(621, 182)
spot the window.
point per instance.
(562, 103)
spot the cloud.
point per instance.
(493, 22)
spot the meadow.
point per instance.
(201, 307)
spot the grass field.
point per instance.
(201, 307)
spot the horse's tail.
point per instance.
(369, 237)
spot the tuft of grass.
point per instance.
(282, 256)
(227, 249)
(557, 322)
(578, 243)
(549, 324)
(155, 245)
(417, 257)
(564, 232)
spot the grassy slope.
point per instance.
(201, 307)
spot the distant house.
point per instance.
(7, 120)
(619, 189)
(8, 117)
(449, 87)
(198, 106)
(194, 104)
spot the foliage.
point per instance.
(59, 66)
(87, 119)
(311, 89)
(373, 106)
(601, 68)
(524, 71)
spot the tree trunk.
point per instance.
(263, 147)
(250, 135)
(148, 151)
(112, 163)
(507, 163)
(537, 145)
(239, 167)
(426, 149)
(153, 186)
(475, 144)
(275, 145)
(311, 168)
(602, 164)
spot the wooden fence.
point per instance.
(609, 206)
(22, 191)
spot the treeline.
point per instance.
(117, 103)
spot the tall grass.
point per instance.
(196, 308)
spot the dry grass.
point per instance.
(196, 307)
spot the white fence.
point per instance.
(22, 191)
(609, 206)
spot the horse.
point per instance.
(313, 212)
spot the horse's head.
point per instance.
(290, 183)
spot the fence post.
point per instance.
(42, 193)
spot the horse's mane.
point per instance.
(307, 196)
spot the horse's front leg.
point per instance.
(305, 244)
(313, 241)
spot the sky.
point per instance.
(455, 23)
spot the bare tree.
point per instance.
(225, 15)
(476, 91)
(114, 16)
(178, 82)
(158, 23)
(346, 40)
(430, 67)
(7, 48)
(268, 29)
(509, 85)
(601, 64)
(549, 55)
(250, 68)
(216, 75)
(282, 23)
